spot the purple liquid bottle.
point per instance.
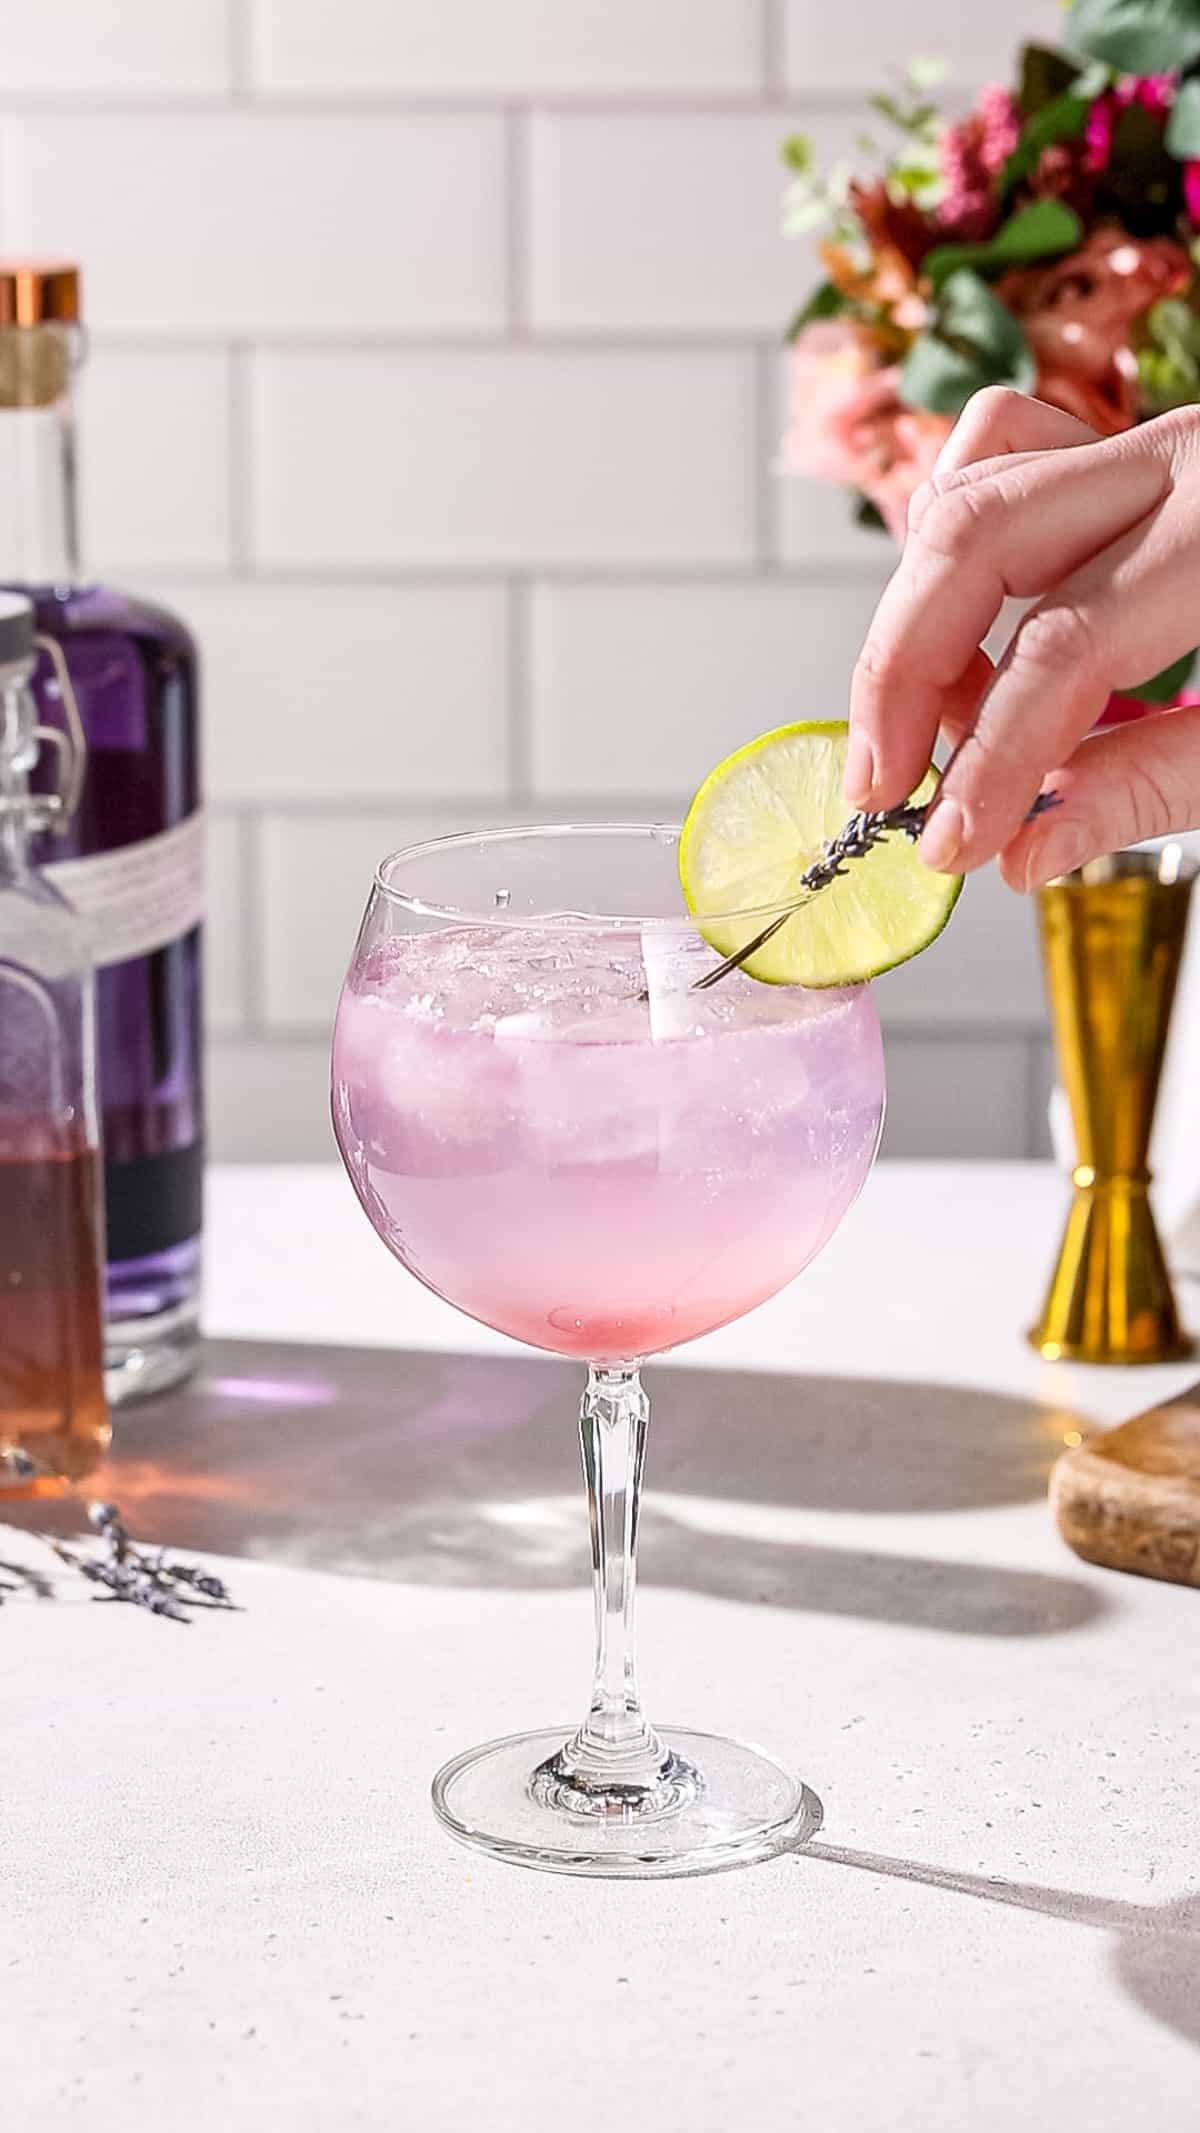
(132, 861)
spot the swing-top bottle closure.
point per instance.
(23, 736)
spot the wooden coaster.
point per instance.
(1130, 1499)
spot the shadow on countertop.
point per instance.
(1156, 1954)
(463, 1470)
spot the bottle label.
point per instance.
(140, 897)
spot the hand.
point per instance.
(1104, 535)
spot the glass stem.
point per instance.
(615, 1744)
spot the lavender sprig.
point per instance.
(139, 1575)
(141, 1586)
(853, 841)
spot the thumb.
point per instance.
(1141, 780)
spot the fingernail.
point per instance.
(859, 780)
(943, 835)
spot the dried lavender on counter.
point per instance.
(130, 1571)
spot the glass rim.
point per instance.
(565, 921)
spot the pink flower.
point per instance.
(968, 205)
(832, 365)
(1098, 134)
(1000, 126)
(972, 154)
(1154, 92)
(1191, 192)
(907, 443)
(848, 423)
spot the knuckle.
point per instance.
(1173, 440)
(1059, 640)
(1153, 799)
(1182, 425)
(958, 521)
(992, 409)
(877, 663)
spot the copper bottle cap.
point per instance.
(38, 293)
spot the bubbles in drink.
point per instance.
(551, 1126)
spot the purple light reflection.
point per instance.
(277, 1392)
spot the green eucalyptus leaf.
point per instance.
(797, 153)
(1183, 125)
(1035, 232)
(968, 310)
(1137, 36)
(1165, 687)
(975, 342)
(1169, 361)
(825, 302)
(1062, 119)
(940, 378)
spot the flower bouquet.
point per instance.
(1049, 241)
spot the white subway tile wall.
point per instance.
(267, 222)
(519, 48)
(435, 378)
(670, 678)
(503, 458)
(158, 478)
(317, 693)
(681, 214)
(850, 47)
(137, 49)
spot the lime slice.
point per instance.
(759, 820)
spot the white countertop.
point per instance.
(226, 1902)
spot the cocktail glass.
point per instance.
(552, 1129)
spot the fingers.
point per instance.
(997, 422)
(1137, 781)
(1016, 531)
(1108, 625)
(961, 707)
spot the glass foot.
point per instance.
(145, 1356)
(725, 1805)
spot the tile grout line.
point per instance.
(520, 683)
(632, 102)
(237, 48)
(239, 458)
(765, 442)
(774, 48)
(373, 340)
(625, 576)
(516, 223)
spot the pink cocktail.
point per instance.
(589, 1172)
(551, 1127)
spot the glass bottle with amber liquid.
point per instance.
(53, 1414)
(131, 858)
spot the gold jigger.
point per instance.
(1112, 938)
